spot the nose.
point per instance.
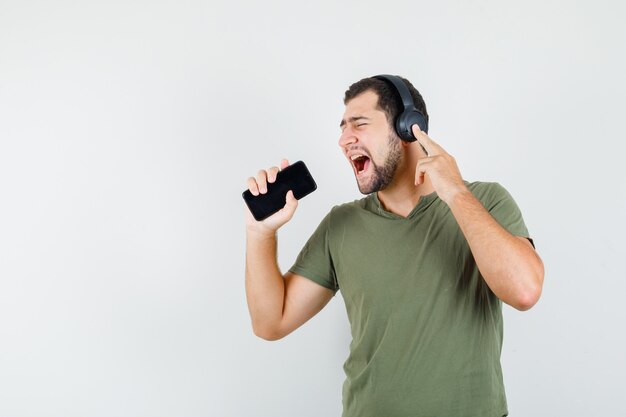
(347, 137)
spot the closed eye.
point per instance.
(359, 125)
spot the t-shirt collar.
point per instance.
(421, 205)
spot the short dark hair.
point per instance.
(389, 100)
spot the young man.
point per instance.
(424, 262)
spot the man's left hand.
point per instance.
(440, 166)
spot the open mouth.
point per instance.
(360, 162)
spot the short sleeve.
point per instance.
(505, 211)
(315, 261)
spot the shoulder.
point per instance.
(490, 194)
(350, 207)
(486, 190)
(341, 213)
(484, 187)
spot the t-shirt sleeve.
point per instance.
(505, 210)
(315, 261)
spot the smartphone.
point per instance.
(295, 177)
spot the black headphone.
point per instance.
(410, 115)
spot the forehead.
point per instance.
(365, 102)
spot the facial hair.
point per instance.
(382, 175)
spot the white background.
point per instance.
(127, 132)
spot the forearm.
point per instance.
(265, 288)
(512, 269)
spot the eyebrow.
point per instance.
(353, 119)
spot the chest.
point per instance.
(386, 262)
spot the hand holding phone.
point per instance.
(267, 195)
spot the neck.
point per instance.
(402, 195)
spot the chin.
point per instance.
(367, 188)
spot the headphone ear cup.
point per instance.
(403, 129)
(406, 120)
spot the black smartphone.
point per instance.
(295, 177)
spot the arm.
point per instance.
(509, 264)
(265, 287)
(277, 305)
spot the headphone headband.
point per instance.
(401, 88)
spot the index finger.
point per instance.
(432, 147)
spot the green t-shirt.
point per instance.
(426, 328)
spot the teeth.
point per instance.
(353, 157)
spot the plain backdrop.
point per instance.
(128, 130)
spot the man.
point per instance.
(424, 262)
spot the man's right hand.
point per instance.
(258, 186)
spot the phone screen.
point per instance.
(295, 177)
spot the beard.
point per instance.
(382, 175)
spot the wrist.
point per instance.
(260, 233)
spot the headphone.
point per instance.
(410, 115)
